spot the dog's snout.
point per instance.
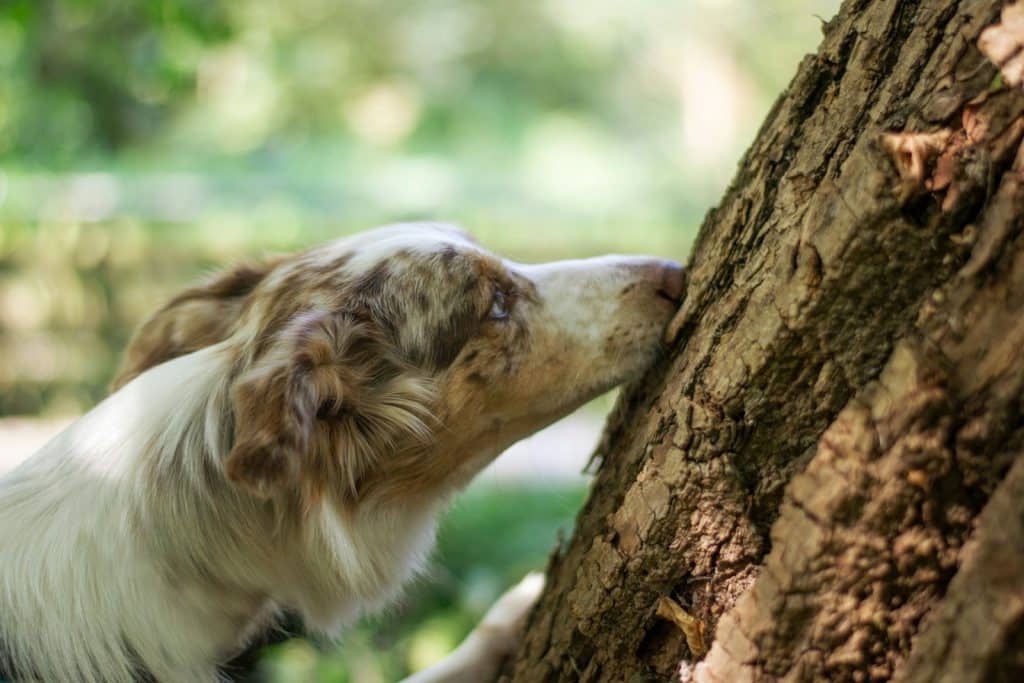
(668, 277)
(673, 280)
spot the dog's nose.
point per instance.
(669, 278)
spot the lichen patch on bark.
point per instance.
(1003, 43)
(913, 154)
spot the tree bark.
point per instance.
(823, 481)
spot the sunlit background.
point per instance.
(145, 142)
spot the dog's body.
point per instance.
(286, 440)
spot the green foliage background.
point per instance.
(143, 142)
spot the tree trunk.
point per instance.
(824, 481)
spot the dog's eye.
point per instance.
(499, 306)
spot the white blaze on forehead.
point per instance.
(370, 248)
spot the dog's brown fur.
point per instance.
(344, 358)
(285, 435)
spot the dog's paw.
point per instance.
(503, 623)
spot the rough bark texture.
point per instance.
(817, 484)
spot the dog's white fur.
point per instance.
(123, 548)
(87, 541)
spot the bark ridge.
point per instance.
(818, 474)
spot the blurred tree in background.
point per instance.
(143, 142)
(96, 76)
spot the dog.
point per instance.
(284, 436)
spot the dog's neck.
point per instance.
(141, 508)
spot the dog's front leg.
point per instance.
(477, 659)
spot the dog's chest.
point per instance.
(398, 546)
(373, 557)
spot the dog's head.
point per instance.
(406, 358)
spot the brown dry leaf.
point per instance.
(692, 627)
(1003, 43)
(912, 154)
(945, 167)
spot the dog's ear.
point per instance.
(323, 404)
(196, 318)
